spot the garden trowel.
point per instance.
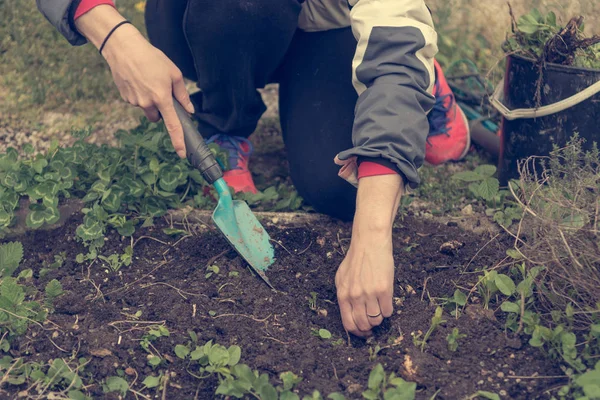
(233, 217)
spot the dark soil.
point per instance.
(167, 283)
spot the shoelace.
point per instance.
(438, 116)
(233, 145)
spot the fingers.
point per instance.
(374, 314)
(152, 113)
(385, 300)
(173, 125)
(180, 92)
(347, 320)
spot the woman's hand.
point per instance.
(144, 75)
(365, 279)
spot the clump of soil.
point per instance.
(167, 283)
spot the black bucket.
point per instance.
(522, 138)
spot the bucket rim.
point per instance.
(557, 67)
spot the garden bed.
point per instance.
(104, 315)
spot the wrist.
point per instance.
(118, 41)
(96, 24)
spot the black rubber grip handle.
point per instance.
(198, 153)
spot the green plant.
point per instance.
(312, 301)
(436, 321)
(43, 379)
(212, 269)
(390, 387)
(116, 261)
(533, 35)
(16, 313)
(491, 282)
(453, 339)
(152, 334)
(121, 188)
(458, 300)
(322, 333)
(483, 394)
(481, 182)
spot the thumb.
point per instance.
(181, 93)
(167, 110)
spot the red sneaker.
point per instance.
(239, 149)
(449, 137)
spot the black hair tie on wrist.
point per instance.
(110, 34)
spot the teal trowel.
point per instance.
(233, 217)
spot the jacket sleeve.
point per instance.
(60, 14)
(393, 74)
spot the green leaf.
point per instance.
(235, 354)
(267, 392)
(336, 396)
(243, 372)
(487, 395)
(510, 307)
(485, 170)
(151, 382)
(182, 351)
(287, 395)
(154, 361)
(324, 334)
(505, 284)
(175, 232)
(459, 298)
(488, 188)
(290, 380)
(468, 176)
(39, 165)
(77, 395)
(514, 254)
(376, 377)
(11, 255)
(53, 289)
(116, 384)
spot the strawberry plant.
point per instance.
(121, 187)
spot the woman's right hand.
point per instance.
(144, 75)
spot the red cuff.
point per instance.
(369, 168)
(87, 5)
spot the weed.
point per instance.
(373, 352)
(381, 386)
(436, 321)
(453, 339)
(212, 269)
(312, 301)
(321, 333)
(483, 394)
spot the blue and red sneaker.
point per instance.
(238, 175)
(449, 137)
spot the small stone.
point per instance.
(512, 356)
(467, 210)
(298, 275)
(502, 393)
(130, 371)
(451, 247)
(322, 312)
(55, 334)
(490, 379)
(511, 373)
(321, 241)
(518, 380)
(500, 375)
(480, 382)
(354, 388)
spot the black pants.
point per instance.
(233, 47)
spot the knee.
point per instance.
(334, 197)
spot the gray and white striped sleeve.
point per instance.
(393, 74)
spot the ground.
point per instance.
(167, 285)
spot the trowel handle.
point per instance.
(198, 153)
